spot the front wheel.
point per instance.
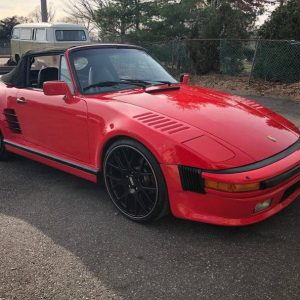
(134, 181)
(3, 152)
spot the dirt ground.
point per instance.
(241, 86)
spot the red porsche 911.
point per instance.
(112, 113)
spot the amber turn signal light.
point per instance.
(232, 187)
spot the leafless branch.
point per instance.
(84, 11)
(35, 15)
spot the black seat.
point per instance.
(47, 74)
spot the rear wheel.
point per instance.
(134, 181)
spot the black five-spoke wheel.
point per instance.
(134, 181)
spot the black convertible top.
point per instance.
(17, 77)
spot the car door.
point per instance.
(11, 128)
(49, 122)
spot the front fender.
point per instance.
(169, 140)
(108, 120)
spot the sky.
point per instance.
(10, 8)
(264, 17)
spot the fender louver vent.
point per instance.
(12, 120)
(191, 179)
(252, 104)
(161, 123)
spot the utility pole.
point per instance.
(44, 11)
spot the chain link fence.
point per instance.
(277, 61)
(272, 61)
(254, 60)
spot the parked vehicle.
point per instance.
(112, 112)
(38, 36)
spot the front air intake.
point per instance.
(191, 179)
(291, 190)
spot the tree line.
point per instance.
(159, 20)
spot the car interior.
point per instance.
(47, 74)
(89, 71)
(94, 70)
(43, 69)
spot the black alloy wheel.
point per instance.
(134, 181)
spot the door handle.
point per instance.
(21, 100)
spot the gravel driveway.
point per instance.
(61, 238)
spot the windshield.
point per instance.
(110, 69)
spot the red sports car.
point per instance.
(112, 112)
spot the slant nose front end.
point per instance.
(238, 196)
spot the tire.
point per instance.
(134, 181)
(17, 58)
(3, 152)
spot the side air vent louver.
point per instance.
(191, 179)
(12, 120)
(161, 123)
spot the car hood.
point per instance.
(244, 124)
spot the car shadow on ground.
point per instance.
(171, 258)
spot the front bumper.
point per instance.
(235, 209)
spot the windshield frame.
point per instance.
(104, 46)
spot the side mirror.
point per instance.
(57, 88)
(185, 78)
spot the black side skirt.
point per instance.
(53, 158)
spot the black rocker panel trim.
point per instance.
(53, 158)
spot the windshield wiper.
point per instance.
(113, 83)
(149, 81)
(159, 83)
(163, 82)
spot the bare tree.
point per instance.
(35, 15)
(25, 20)
(84, 11)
